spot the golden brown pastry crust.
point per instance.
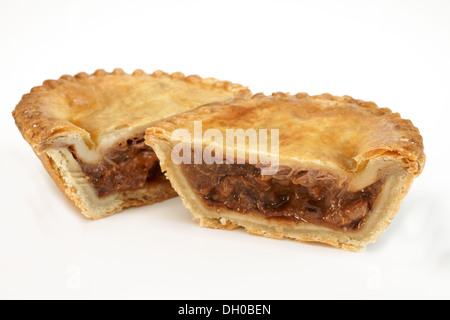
(340, 131)
(349, 137)
(91, 112)
(76, 104)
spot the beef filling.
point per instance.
(306, 196)
(128, 166)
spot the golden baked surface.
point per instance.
(104, 104)
(338, 131)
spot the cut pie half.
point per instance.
(88, 131)
(343, 166)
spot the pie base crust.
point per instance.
(68, 176)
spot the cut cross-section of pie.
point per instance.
(88, 131)
(343, 166)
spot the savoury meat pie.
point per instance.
(344, 167)
(88, 131)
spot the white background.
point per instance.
(395, 53)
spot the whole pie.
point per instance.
(88, 131)
(344, 166)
